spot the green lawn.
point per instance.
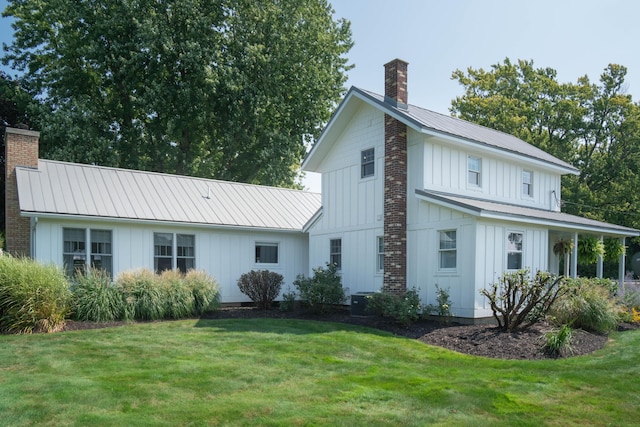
(294, 372)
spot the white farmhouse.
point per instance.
(409, 198)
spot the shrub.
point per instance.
(96, 299)
(205, 290)
(288, 302)
(321, 291)
(178, 297)
(403, 309)
(518, 302)
(443, 306)
(558, 341)
(33, 297)
(142, 296)
(261, 286)
(587, 305)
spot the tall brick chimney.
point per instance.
(395, 181)
(21, 149)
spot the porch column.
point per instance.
(621, 268)
(600, 261)
(574, 257)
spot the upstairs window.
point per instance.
(367, 163)
(514, 251)
(335, 252)
(266, 253)
(474, 166)
(380, 254)
(448, 250)
(527, 183)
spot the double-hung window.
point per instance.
(514, 251)
(173, 251)
(474, 171)
(367, 163)
(74, 252)
(448, 250)
(527, 183)
(380, 254)
(266, 253)
(335, 252)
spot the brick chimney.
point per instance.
(395, 181)
(21, 149)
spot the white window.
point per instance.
(527, 183)
(166, 257)
(266, 253)
(380, 254)
(74, 252)
(367, 163)
(474, 166)
(514, 251)
(448, 250)
(335, 252)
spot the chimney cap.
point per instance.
(396, 60)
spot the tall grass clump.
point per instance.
(177, 295)
(95, 298)
(33, 297)
(143, 298)
(589, 305)
(205, 290)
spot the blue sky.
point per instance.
(574, 37)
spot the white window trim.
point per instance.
(339, 268)
(87, 245)
(257, 243)
(174, 249)
(479, 172)
(531, 189)
(440, 250)
(379, 268)
(373, 175)
(506, 252)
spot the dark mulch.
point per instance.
(479, 340)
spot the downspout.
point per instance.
(32, 240)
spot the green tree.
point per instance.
(595, 127)
(229, 89)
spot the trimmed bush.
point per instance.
(143, 298)
(205, 290)
(177, 295)
(321, 291)
(96, 299)
(261, 286)
(518, 302)
(589, 305)
(403, 309)
(33, 297)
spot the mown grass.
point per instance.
(293, 372)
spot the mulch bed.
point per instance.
(478, 340)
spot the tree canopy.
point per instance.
(228, 89)
(595, 127)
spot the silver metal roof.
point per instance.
(60, 188)
(560, 220)
(443, 124)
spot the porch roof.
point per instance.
(515, 213)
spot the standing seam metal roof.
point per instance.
(61, 188)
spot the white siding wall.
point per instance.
(445, 169)
(224, 254)
(352, 206)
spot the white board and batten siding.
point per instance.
(445, 170)
(224, 254)
(352, 205)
